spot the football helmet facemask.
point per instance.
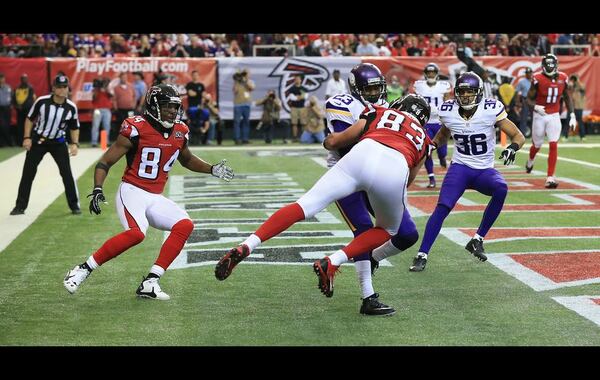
(431, 73)
(550, 64)
(468, 90)
(367, 83)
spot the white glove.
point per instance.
(572, 121)
(540, 109)
(222, 171)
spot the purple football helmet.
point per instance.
(431, 73)
(367, 83)
(468, 90)
(549, 64)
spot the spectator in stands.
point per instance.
(124, 100)
(521, 93)
(335, 85)
(578, 95)
(315, 127)
(49, 50)
(242, 99)
(23, 98)
(564, 39)
(296, 102)
(162, 48)
(271, 114)
(180, 50)
(411, 47)
(394, 90)
(382, 50)
(528, 49)
(102, 104)
(145, 49)
(365, 48)
(234, 49)
(5, 111)
(196, 47)
(140, 90)
(595, 49)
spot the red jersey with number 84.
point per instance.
(398, 130)
(549, 90)
(153, 155)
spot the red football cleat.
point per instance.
(325, 272)
(230, 260)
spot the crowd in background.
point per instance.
(238, 45)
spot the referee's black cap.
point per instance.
(61, 80)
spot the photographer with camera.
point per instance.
(102, 103)
(242, 86)
(270, 117)
(314, 130)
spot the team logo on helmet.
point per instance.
(313, 75)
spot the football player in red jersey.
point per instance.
(391, 146)
(152, 143)
(547, 89)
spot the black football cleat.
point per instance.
(374, 264)
(419, 263)
(325, 272)
(230, 260)
(475, 246)
(372, 306)
(528, 169)
(551, 185)
(431, 183)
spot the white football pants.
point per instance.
(548, 125)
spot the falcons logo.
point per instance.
(313, 75)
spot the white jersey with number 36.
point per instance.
(474, 139)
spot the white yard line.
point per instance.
(47, 186)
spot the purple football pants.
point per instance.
(442, 150)
(355, 210)
(459, 178)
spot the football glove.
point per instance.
(431, 148)
(540, 109)
(97, 197)
(572, 121)
(509, 154)
(222, 171)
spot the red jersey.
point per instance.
(549, 90)
(398, 130)
(153, 154)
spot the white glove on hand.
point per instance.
(572, 121)
(222, 171)
(540, 109)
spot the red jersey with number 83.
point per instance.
(398, 130)
(549, 90)
(153, 155)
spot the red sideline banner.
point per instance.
(83, 71)
(409, 69)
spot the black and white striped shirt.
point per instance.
(53, 118)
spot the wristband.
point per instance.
(74, 143)
(27, 138)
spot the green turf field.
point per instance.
(457, 300)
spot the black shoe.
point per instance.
(419, 263)
(528, 169)
(76, 211)
(475, 246)
(374, 264)
(372, 306)
(431, 183)
(551, 185)
(17, 211)
(443, 163)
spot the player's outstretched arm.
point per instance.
(349, 136)
(441, 137)
(196, 164)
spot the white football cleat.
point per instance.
(75, 278)
(150, 288)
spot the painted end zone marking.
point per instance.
(550, 270)
(497, 234)
(586, 306)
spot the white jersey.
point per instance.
(474, 139)
(342, 110)
(434, 95)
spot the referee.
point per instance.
(52, 114)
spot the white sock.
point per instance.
(92, 263)
(363, 270)
(338, 258)
(157, 270)
(385, 250)
(529, 163)
(478, 237)
(252, 242)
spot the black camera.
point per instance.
(100, 83)
(240, 76)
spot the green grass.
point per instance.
(8, 152)
(455, 301)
